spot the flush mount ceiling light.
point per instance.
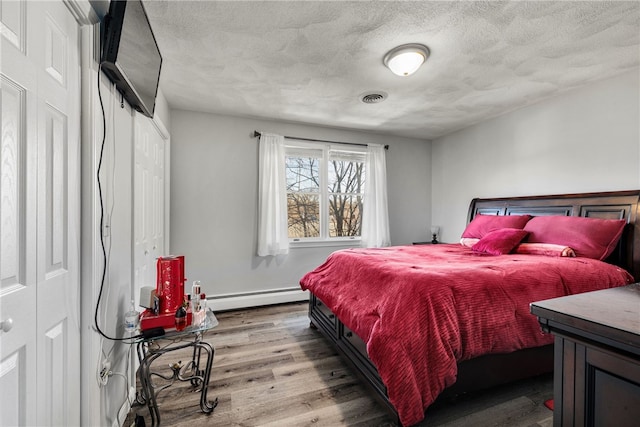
(405, 60)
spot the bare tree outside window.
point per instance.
(303, 197)
(342, 205)
(346, 185)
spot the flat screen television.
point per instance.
(130, 55)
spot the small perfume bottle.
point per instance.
(181, 317)
(195, 297)
(203, 302)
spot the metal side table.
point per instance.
(197, 370)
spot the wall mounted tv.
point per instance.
(130, 55)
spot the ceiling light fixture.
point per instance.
(405, 60)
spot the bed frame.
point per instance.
(491, 370)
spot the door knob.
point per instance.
(6, 325)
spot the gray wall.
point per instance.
(214, 180)
(117, 191)
(586, 140)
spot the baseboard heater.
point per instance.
(256, 299)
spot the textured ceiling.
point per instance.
(310, 61)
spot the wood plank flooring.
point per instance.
(272, 369)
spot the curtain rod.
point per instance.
(256, 134)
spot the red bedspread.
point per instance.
(450, 303)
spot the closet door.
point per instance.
(18, 195)
(58, 229)
(149, 180)
(40, 223)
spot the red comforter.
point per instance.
(450, 303)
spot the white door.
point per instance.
(18, 194)
(149, 200)
(40, 222)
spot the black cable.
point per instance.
(102, 244)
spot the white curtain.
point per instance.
(272, 197)
(375, 216)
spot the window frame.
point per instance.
(292, 145)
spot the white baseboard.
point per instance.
(124, 409)
(256, 299)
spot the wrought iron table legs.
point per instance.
(193, 371)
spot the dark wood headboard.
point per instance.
(609, 205)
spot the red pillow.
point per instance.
(482, 224)
(589, 237)
(499, 242)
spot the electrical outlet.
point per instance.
(103, 375)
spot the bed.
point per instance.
(484, 334)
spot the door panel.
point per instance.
(12, 224)
(55, 375)
(144, 273)
(13, 406)
(149, 182)
(56, 189)
(17, 259)
(55, 51)
(39, 220)
(13, 23)
(18, 157)
(58, 193)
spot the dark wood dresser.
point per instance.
(596, 356)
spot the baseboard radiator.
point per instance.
(256, 299)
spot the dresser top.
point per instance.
(614, 313)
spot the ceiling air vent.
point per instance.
(373, 98)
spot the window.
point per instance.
(325, 189)
(311, 192)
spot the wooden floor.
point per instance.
(272, 369)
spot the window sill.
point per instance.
(326, 243)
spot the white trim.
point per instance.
(345, 243)
(90, 401)
(159, 125)
(167, 195)
(82, 11)
(124, 409)
(166, 136)
(256, 299)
